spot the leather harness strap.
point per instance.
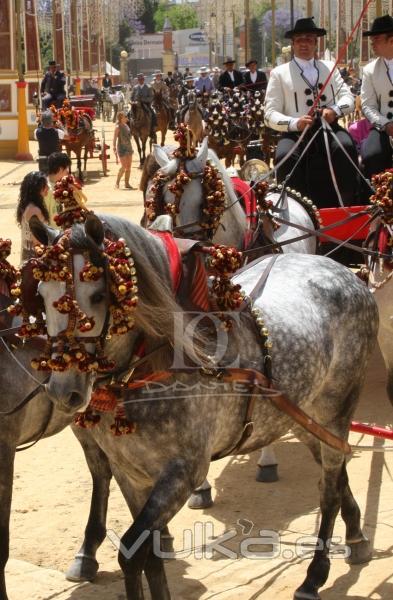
(261, 387)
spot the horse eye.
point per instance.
(97, 297)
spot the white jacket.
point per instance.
(290, 96)
(377, 93)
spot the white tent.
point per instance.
(110, 69)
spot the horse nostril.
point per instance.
(76, 399)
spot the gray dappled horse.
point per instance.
(323, 325)
(231, 232)
(37, 419)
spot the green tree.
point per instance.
(147, 17)
(181, 16)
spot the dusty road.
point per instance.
(52, 493)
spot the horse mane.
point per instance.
(157, 309)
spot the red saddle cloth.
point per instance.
(199, 293)
(173, 253)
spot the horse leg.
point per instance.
(355, 540)
(7, 455)
(165, 500)
(267, 471)
(138, 145)
(201, 497)
(85, 565)
(335, 493)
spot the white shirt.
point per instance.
(309, 70)
(389, 66)
(253, 76)
(231, 75)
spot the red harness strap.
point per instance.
(249, 203)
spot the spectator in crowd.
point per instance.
(31, 202)
(49, 139)
(122, 147)
(59, 165)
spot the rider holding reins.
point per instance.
(143, 93)
(291, 92)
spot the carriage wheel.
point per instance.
(104, 155)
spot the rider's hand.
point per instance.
(304, 121)
(329, 115)
(389, 129)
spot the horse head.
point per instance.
(74, 286)
(178, 189)
(94, 304)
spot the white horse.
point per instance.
(231, 232)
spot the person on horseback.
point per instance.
(255, 80)
(170, 80)
(230, 78)
(53, 86)
(204, 84)
(377, 98)
(106, 82)
(143, 93)
(291, 92)
(186, 88)
(159, 86)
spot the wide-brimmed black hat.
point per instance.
(380, 25)
(252, 60)
(229, 61)
(306, 25)
(52, 63)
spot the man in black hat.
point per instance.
(230, 78)
(377, 98)
(53, 86)
(255, 80)
(289, 108)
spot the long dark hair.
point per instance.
(31, 192)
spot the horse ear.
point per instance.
(202, 152)
(94, 229)
(160, 156)
(44, 234)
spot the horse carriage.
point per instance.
(77, 115)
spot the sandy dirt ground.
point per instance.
(52, 492)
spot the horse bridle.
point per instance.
(67, 335)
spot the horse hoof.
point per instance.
(84, 568)
(360, 552)
(302, 594)
(267, 474)
(201, 499)
(166, 543)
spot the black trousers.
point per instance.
(376, 153)
(312, 174)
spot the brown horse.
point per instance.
(163, 115)
(193, 117)
(79, 137)
(140, 121)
